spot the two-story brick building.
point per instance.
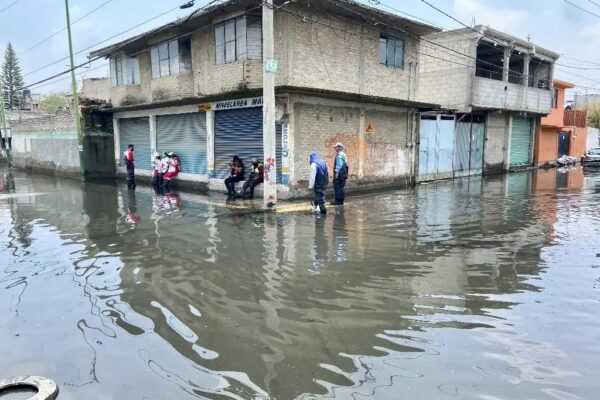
(497, 87)
(347, 73)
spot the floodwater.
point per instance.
(474, 289)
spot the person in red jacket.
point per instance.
(130, 165)
(173, 171)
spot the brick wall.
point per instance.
(446, 77)
(379, 153)
(339, 55)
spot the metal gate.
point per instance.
(136, 131)
(564, 139)
(469, 141)
(436, 147)
(185, 135)
(240, 132)
(520, 141)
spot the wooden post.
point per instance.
(269, 71)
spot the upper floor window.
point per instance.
(555, 99)
(171, 58)
(238, 39)
(124, 70)
(391, 51)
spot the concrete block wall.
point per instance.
(490, 93)
(47, 143)
(339, 55)
(496, 142)
(375, 137)
(446, 77)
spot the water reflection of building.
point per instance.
(224, 292)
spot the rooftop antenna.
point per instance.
(473, 22)
(529, 38)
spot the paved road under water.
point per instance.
(474, 289)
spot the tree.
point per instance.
(12, 81)
(53, 102)
(594, 115)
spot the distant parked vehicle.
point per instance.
(592, 157)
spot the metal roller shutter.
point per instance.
(136, 131)
(185, 135)
(239, 132)
(520, 141)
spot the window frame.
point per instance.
(166, 58)
(231, 40)
(124, 70)
(391, 43)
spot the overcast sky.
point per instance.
(553, 24)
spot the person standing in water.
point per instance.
(130, 165)
(319, 178)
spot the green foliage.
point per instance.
(53, 102)
(594, 115)
(12, 80)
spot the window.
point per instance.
(555, 99)
(124, 70)
(391, 51)
(171, 58)
(238, 39)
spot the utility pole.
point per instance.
(75, 98)
(269, 71)
(5, 126)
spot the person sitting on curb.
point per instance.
(319, 178)
(157, 176)
(257, 176)
(236, 174)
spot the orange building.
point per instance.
(562, 131)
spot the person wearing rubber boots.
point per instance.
(130, 165)
(319, 178)
(340, 174)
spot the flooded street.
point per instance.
(473, 289)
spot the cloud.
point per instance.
(504, 19)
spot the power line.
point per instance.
(64, 29)
(68, 78)
(97, 58)
(102, 41)
(581, 8)
(378, 22)
(576, 67)
(594, 3)
(9, 6)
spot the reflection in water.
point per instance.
(478, 288)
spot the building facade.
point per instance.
(194, 87)
(562, 131)
(495, 88)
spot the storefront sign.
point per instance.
(239, 103)
(285, 154)
(206, 107)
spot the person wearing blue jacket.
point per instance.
(340, 174)
(319, 178)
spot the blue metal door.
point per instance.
(185, 135)
(136, 131)
(436, 147)
(469, 147)
(564, 139)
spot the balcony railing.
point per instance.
(576, 118)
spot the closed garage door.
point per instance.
(185, 135)
(136, 131)
(239, 132)
(520, 141)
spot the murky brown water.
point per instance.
(477, 289)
